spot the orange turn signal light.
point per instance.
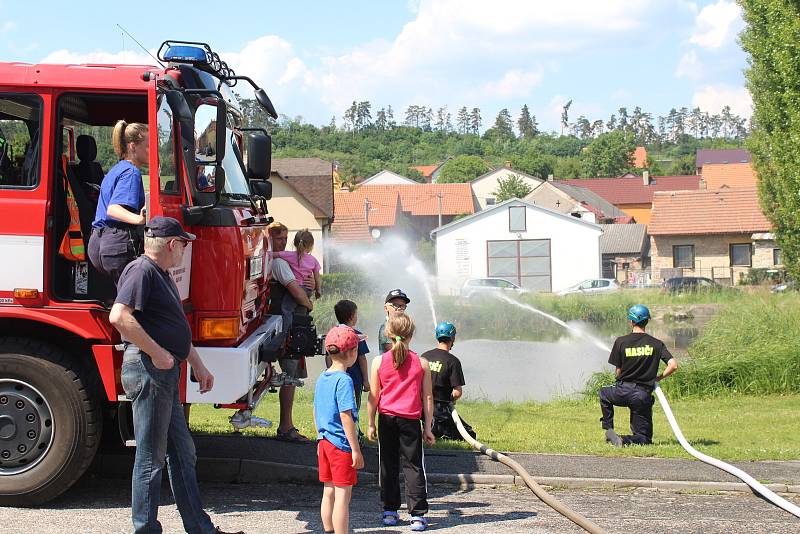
(219, 328)
(23, 293)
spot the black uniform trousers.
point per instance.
(111, 249)
(402, 438)
(639, 399)
(443, 425)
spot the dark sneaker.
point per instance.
(613, 438)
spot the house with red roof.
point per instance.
(409, 210)
(718, 234)
(302, 197)
(430, 172)
(633, 194)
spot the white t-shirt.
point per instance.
(282, 272)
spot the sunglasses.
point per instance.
(398, 307)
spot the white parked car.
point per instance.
(598, 285)
(486, 286)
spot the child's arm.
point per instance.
(362, 364)
(427, 402)
(352, 438)
(372, 400)
(317, 284)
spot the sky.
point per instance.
(315, 58)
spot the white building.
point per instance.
(537, 248)
(385, 177)
(484, 187)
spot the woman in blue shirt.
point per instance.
(115, 239)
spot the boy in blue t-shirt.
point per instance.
(336, 417)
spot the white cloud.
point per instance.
(689, 66)
(712, 98)
(515, 82)
(8, 26)
(717, 24)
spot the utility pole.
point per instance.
(439, 194)
(366, 211)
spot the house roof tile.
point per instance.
(640, 157)
(589, 197)
(728, 155)
(623, 238)
(722, 211)
(426, 170)
(717, 175)
(621, 191)
(311, 177)
(346, 228)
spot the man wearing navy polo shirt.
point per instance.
(149, 316)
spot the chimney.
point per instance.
(549, 177)
(646, 177)
(703, 184)
(507, 164)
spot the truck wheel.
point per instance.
(50, 424)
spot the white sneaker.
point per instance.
(244, 419)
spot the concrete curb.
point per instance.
(237, 470)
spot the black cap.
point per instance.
(166, 227)
(397, 294)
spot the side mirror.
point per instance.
(259, 156)
(261, 188)
(209, 131)
(266, 103)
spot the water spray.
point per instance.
(662, 399)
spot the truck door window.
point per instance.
(166, 149)
(20, 144)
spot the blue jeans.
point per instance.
(161, 432)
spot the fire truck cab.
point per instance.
(59, 357)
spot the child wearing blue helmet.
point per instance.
(636, 357)
(447, 379)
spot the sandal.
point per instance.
(390, 518)
(418, 523)
(292, 436)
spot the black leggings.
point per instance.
(402, 438)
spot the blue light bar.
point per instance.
(187, 54)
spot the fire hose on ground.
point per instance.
(545, 497)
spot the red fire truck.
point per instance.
(59, 357)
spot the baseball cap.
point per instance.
(341, 339)
(397, 294)
(166, 227)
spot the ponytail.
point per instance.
(125, 133)
(400, 329)
(303, 243)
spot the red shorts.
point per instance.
(335, 465)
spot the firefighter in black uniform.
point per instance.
(636, 357)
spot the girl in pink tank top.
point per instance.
(401, 394)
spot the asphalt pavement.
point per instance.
(102, 505)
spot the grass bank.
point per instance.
(738, 427)
(751, 347)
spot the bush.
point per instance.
(759, 276)
(346, 283)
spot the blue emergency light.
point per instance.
(187, 54)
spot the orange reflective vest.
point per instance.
(72, 247)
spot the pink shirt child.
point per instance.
(308, 264)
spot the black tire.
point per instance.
(52, 380)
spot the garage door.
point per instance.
(526, 262)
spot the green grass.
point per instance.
(739, 427)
